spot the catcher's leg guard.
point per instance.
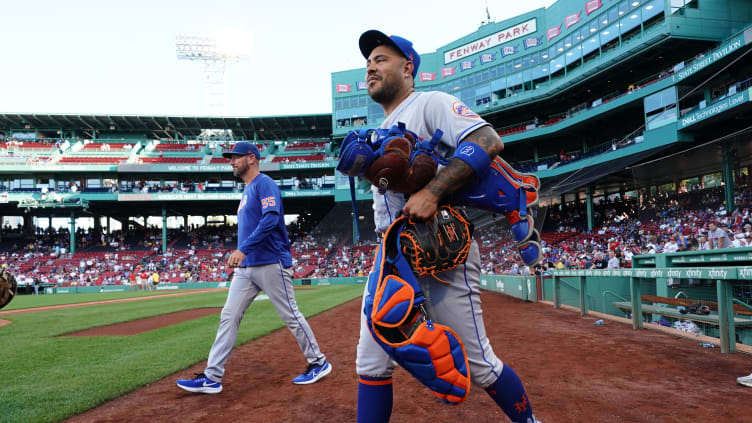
(522, 226)
(499, 192)
(525, 178)
(526, 237)
(506, 191)
(432, 353)
(530, 250)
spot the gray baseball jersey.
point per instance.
(457, 304)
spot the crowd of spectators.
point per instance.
(663, 223)
(694, 219)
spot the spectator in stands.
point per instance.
(671, 246)
(739, 240)
(613, 260)
(681, 241)
(599, 262)
(718, 236)
(702, 242)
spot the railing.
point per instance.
(724, 277)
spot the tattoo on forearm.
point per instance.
(457, 173)
(450, 179)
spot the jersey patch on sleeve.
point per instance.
(461, 109)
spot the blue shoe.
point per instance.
(313, 373)
(200, 384)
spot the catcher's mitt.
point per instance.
(8, 287)
(438, 244)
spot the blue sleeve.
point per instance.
(267, 223)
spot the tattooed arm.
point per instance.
(422, 205)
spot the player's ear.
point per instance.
(408, 68)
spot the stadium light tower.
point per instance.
(215, 52)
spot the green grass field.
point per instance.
(47, 378)
(29, 301)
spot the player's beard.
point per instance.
(386, 93)
(240, 169)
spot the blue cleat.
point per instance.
(200, 384)
(313, 373)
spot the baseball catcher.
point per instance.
(8, 287)
(421, 305)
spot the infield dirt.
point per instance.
(573, 371)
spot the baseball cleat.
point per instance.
(201, 384)
(313, 373)
(745, 380)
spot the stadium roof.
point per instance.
(160, 127)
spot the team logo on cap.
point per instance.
(461, 109)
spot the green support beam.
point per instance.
(583, 299)
(589, 201)
(164, 229)
(73, 232)
(728, 177)
(634, 289)
(726, 316)
(557, 291)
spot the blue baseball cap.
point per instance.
(244, 148)
(369, 40)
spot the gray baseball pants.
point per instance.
(247, 282)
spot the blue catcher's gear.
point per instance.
(391, 159)
(504, 190)
(397, 159)
(475, 157)
(431, 352)
(357, 153)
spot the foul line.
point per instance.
(122, 300)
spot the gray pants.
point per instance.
(247, 282)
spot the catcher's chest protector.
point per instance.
(431, 352)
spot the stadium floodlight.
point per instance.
(215, 52)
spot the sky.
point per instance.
(115, 58)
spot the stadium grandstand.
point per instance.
(635, 114)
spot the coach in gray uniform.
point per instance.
(262, 262)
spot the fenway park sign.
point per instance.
(492, 40)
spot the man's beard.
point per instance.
(386, 94)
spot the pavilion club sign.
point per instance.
(493, 40)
